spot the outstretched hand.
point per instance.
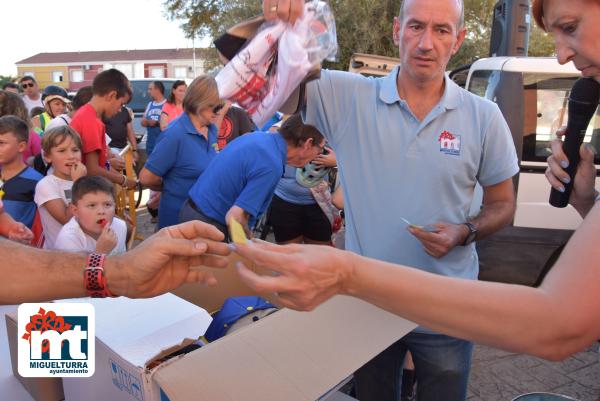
(165, 261)
(307, 275)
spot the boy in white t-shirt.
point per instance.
(93, 227)
(62, 150)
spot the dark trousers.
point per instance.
(189, 211)
(442, 365)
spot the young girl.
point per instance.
(55, 103)
(62, 150)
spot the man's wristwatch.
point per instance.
(472, 234)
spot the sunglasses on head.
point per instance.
(218, 108)
(24, 86)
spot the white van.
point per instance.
(532, 94)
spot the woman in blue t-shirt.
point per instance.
(295, 214)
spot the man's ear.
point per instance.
(460, 37)
(110, 96)
(396, 31)
(22, 146)
(73, 208)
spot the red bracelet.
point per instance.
(94, 278)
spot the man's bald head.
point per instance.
(459, 4)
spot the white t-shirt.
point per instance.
(60, 121)
(30, 104)
(49, 188)
(72, 238)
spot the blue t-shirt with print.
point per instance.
(18, 196)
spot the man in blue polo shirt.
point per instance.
(240, 181)
(413, 145)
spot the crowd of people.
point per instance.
(63, 148)
(207, 164)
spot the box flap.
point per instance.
(139, 329)
(292, 356)
(212, 298)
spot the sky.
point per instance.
(84, 25)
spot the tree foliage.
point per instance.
(4, 79)
(363, 26)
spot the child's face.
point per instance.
(10, 148)
(57, 107)
(63, 157)
(94, 210)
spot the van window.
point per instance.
(483, 82)
(141, 98)
(546, 100)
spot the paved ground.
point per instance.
(499, 375)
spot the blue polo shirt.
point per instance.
(391, 165)
(244, 174)
(180, 157)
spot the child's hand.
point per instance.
(78, 170)
(20, 233)
(107, 240)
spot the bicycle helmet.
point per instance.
(311, 175)
(55, 92)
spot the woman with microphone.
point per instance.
(559, 318)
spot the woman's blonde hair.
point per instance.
(201, 94)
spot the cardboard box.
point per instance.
(287, 356)
(40, 388)
(130, 333)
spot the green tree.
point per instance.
(363, 26)
(6, 79)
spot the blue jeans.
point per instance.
(442, 367)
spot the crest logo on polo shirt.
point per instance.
(449, 143)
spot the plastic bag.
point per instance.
(263, 75)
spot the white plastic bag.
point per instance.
(263, 75)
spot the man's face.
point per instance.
(427, 37)
(30, 88)
(576, 30)
(152, 91)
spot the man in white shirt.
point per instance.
(31, 93)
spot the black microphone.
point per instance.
(583, 102)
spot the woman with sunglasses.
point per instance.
(553, 321)
(173, 107)
(186, 148)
